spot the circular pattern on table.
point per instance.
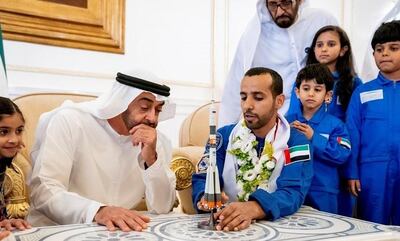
(186, 229)
(309, 224)
(98, 233)
(391, 228)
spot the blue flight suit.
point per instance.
(346, 200)
(332, 148)
(373, 120)
(292, 184)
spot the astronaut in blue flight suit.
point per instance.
(373, 120)
(284, 192)
(328, 135)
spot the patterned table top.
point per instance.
(307, 224)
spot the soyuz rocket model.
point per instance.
(212, 192)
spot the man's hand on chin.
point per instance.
(124, 219)
(146, 136)
(238, 215)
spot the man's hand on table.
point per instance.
(117, 217)
(238, 215)
(14, 223)
(4, 234)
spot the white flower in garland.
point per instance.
(253, 171)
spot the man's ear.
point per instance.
(328, 97)
(279, 100)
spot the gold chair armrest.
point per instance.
(183, 165)
(15, 188)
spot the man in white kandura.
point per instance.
(275, 38)
(95, 161)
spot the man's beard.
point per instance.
(284, 21)
(257, 124)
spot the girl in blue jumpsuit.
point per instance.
(373, 119)
(328, 135)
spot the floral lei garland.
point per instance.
(253, 171)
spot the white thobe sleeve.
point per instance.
(51, 173)
(159, 180)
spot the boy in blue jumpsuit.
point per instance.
(283, 193)
(373, 120)
(328, 135)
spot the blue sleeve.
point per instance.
(199, 179)
(356, 82)
(334, 150)
(292, 185)
(353, 123)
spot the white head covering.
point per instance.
(117, 99)
(108, 105)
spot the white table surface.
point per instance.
(307, 224)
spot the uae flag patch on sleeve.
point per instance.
(297, 153)
(344, 142)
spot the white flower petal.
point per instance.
(270, 165)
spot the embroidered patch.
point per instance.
(297, 153)
(202, 165)
(218, 144)
(344, 142)
(371, 95)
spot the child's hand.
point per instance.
(354, 187)
(303, 128)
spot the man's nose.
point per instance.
(248, 104)
(151, 116)
(279, 11)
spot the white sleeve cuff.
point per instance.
(92, 211)
(153, 169)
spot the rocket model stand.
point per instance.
(212, 192)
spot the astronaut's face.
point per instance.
(258, 104)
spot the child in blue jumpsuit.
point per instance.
(373, 120)
(328, 135)
(331, 46)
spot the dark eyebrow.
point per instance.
(252, 93)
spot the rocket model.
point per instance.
(212, 192)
